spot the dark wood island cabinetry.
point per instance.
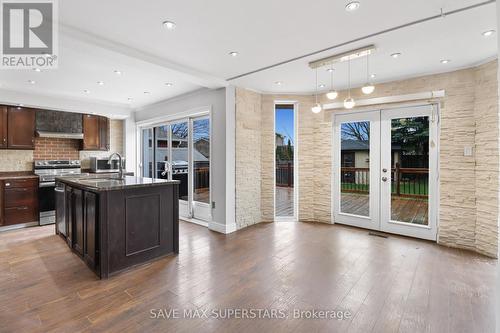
(115, 224)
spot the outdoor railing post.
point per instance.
(398, 180)
(289, 173)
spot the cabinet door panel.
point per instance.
(103, 133)
(90, 213)
(21, 128)
(2, 217)
(3, 127)
(78, 232)
(90, 132)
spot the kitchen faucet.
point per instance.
(120, 167)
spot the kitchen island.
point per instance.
(114, 224)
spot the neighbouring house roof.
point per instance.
(357, 145)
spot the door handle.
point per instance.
(384, 179)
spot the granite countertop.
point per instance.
(17, 175)
(111, 182)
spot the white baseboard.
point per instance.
(195, 221)
(222, 228)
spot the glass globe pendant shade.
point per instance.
(368, 89)
(316, 108)
(332, 94)
(349, 103)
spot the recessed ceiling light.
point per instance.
(31, 82)
(329, 70)
(117, 72)
(321, 85)
(396, 55)
(169, 25)
(278, 83)
(445, 61)
(147, 93)
(488, 33)
(352, 6)
(101, 83)
(37, 70)
(373, 76)
(233, 54)
(169, 84)
(86, 91)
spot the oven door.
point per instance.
(47, 203)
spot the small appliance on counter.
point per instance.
(47, 171)
(101, 165)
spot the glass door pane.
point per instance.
(355, 168)
(180, 157)
(147, 153)
(356, 159)
(162, 151)
(201, 160)
(410, 170)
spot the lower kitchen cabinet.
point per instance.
(78, 228)
(18, 201)
(81, 224)
(90, 251)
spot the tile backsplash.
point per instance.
(16, 160)
(56, 148)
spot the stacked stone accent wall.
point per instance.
(469, 185)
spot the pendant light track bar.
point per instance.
(406, 25)
(344, 56)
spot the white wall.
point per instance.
(182, 106)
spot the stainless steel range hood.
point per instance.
(61, 135)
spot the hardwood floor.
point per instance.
(387, 284)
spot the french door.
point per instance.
(385, 170)
(180, 150)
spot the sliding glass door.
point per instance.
(180, 150)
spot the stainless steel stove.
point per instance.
(47, 171)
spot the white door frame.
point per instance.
(430, 232)
(186, 208)
(386, 223)
(295, 216)
(372, 221)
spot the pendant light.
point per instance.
(332, 94)
(317, 107)
(368, 88)
(349, 102)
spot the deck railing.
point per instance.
(284, 174)
(405, 182)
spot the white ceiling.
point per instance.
(97, 37)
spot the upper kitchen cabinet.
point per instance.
(3, 126)
(95, 132)
(20, 128)
(103, 133)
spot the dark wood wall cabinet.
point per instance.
(17, 127)
(18, 201)
(95, 132)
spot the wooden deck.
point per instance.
(404, 209)
(394, 284)
(411, 210)
(284, 201)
